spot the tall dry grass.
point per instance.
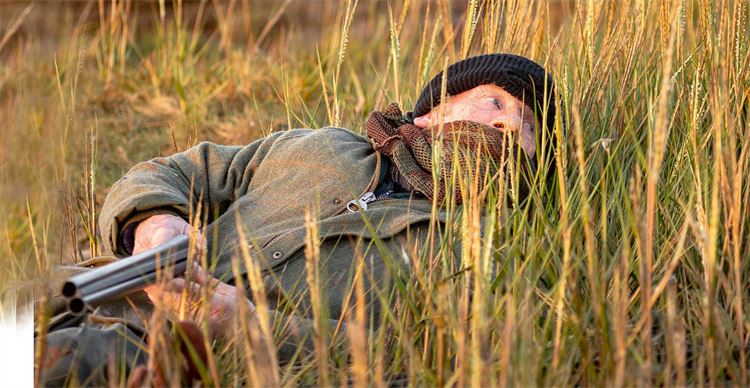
(632, 268)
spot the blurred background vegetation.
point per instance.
(90, 88)
(646, 249)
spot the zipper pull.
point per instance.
(356, 205)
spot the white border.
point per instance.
(16, 343)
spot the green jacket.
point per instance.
(267, 187)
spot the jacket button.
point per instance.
(337, 201)
(276, 255)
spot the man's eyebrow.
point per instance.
(495, 91)
(489, 93)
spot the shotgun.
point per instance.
(125, 276)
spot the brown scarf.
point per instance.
(476, 147)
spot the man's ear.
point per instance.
(423, 121)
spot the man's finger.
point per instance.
(195, 232)
(171, 295)
(153, 292)
(199, 275)
(203, 278)
(174, 286)
(178, 285)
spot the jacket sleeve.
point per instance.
(208, 176)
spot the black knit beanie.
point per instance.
(519, 76)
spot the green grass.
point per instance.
(644, 251)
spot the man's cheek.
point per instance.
(478, 116)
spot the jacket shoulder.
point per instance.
(343, 133)
(325, 133)
(326, 142)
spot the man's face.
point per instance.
(489, 105)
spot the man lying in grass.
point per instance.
(365, 198)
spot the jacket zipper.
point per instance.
(369, 197)
(274, 238)
(353, 207)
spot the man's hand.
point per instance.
(223, 299)
(159, 229)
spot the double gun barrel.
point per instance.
(125, 276)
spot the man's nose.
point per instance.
(507, 124)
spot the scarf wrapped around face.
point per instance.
(478, 149)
